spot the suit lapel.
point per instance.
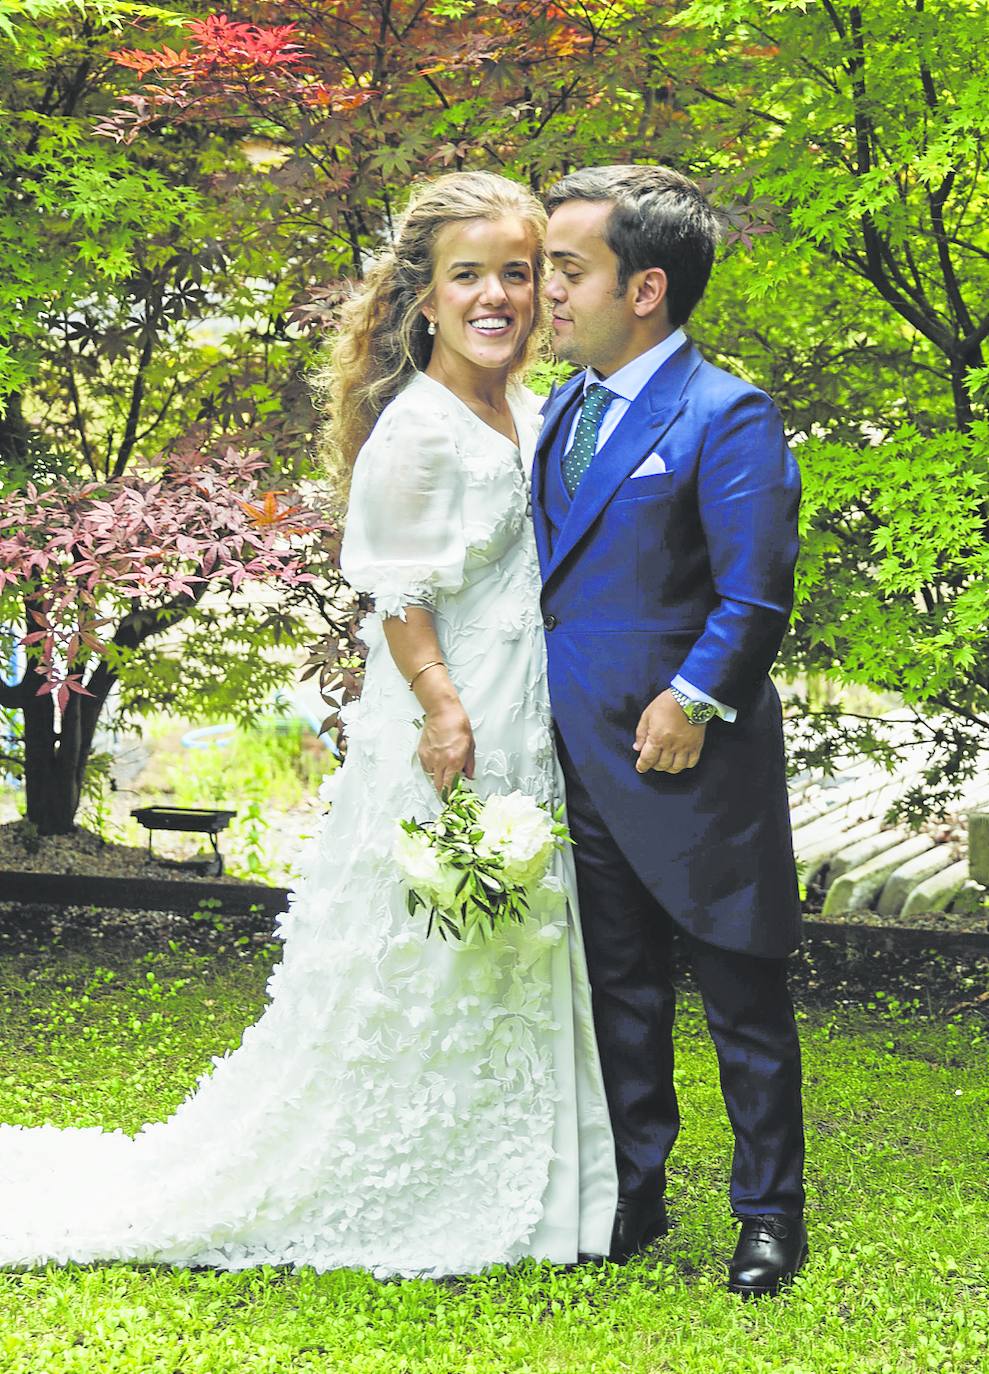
(641, 428)
(561, 402)
(633, 438)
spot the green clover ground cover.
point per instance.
(896, 1107)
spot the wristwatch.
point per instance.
(697, 712)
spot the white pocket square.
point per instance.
(652, 465)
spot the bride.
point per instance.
(404, 1105)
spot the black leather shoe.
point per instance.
(637, 1225)
(771, 1250)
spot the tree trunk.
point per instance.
(960, 363)
(14, 433)
(52, 777)
(55, 761)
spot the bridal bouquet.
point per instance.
(482, 863)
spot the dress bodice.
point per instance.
(438, 498)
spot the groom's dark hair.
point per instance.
(660, 219)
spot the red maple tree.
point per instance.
(95, 571)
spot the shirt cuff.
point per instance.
(727, 713)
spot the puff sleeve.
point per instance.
(404, 538)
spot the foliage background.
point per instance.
(169, 266)
(188, 195)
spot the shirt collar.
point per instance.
(629, 380)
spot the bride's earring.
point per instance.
(432, 328)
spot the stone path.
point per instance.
(844, 846)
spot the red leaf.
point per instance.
(74, 684)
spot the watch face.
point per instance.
(699, 712)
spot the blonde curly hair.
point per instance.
(383, 339)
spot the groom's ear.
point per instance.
(649, 289)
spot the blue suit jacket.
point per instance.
(685, 571)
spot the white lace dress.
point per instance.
(403, 1105)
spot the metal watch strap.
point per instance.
(697, 712)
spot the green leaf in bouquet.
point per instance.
(451, 926)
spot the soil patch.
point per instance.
(824, 973)
(23, 850)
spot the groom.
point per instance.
(665, 506)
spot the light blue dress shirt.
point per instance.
(626, 383)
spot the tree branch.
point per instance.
(936, 202)
(855, 66)
(100, 683)
(129, 437)
(962, 711)
(417, 14)
(435, 88)
(12, 693)
(915, 291)
(80, 423)
(160, 416)
(836, 20)
(384, 27)
(143, 623)
(764, 115)
(872, 270)
(68, 752)
(951, 284)
(978, 336)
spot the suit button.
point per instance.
(550, 622)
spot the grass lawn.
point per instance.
(898, 1144)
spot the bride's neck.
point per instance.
(480, 388)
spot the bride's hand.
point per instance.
(446, 745)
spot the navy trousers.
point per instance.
(628, 938)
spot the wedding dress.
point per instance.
(404, 1105)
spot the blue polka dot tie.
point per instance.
(597, 399)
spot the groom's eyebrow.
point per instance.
(559, 254)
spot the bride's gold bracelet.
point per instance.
(436, 663)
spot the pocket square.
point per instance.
(652, 465)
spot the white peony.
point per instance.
(417, 859)
(520, 833)
(423, 869)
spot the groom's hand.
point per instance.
(665, 740)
